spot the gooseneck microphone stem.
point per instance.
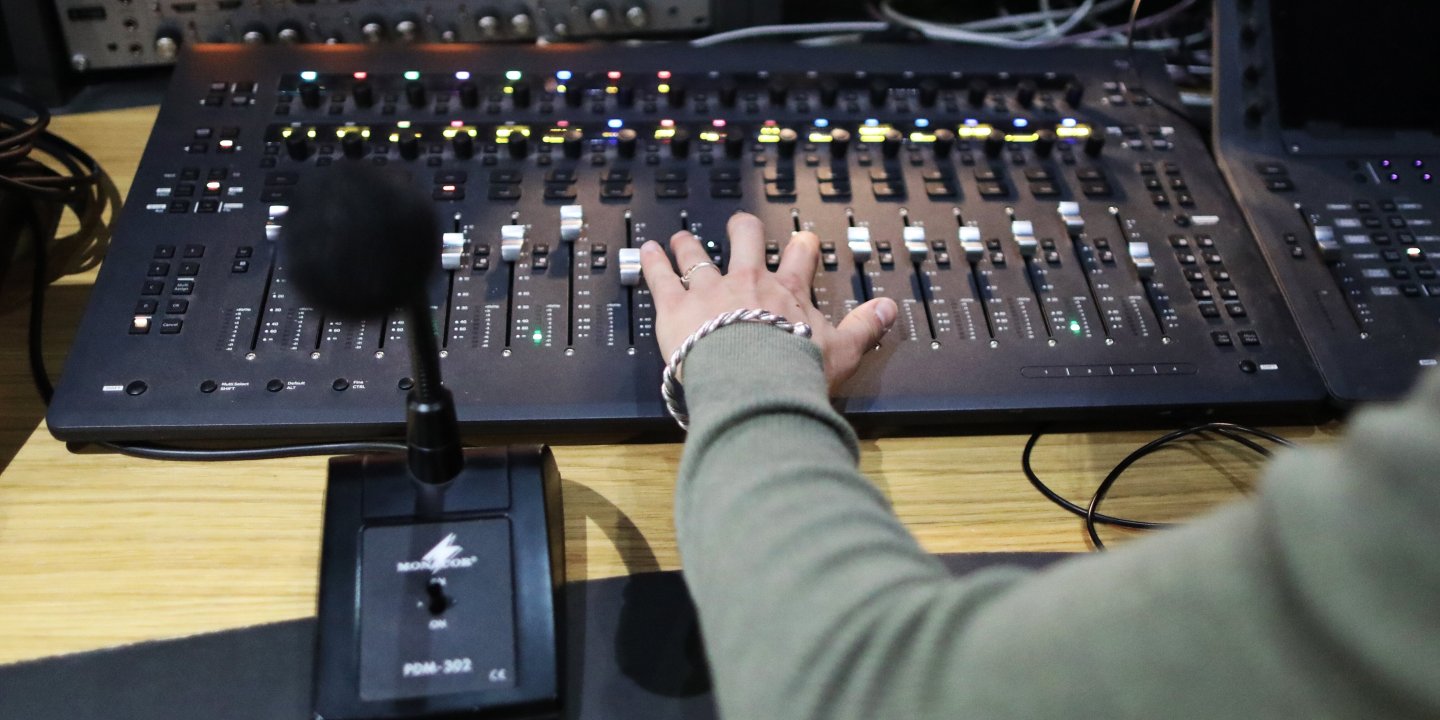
(432, 431)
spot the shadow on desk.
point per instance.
(630, 646)
(20, 407)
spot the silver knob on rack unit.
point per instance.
(521, 24)
(406, 29)
(289, 35)
(253, 37)
(166, 47)
(636, 16)
(374, 32)
(489, 25)
(600, 18)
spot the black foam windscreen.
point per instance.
(362, 243)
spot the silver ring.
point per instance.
(685, 279)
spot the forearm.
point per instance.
(815, 602)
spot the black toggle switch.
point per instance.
(437, 602)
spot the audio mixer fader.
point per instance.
(1060, 245)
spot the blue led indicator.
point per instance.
(1021, 122)
(1068, 122)
(871, 122)
(309, 76)
(563, 75)
(822, 122)
(922, 122)
(971, 122)
(615, 123)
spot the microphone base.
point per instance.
(441, 601)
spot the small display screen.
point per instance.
(1360, 65)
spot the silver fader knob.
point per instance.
(971, 243)
(1024, 232)
(572, 219)
(272, 221)
(454, 247)
(629, 266)
(915, 244)
(1326, 243)
(858, 238)
(512, 241)
(1070, 213)
(1140, 255)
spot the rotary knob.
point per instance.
(636, 16)
(415, 93)
(254, 37)
(488, 25)
(1094, 144)
(626, 141)
(520, 95)
(680, 143)
(929, 93)
(407, 30)
(298, 146)
(519, 145)
(469, 94)
(779, 93)
(829, 92)
(463, 145)
(879, 92)
(310, 94)
(734, 145)
(409, 147)
(944, 142)
(976, 92)
(1025, 93)
(676, 97)
(167, 45)
(1045, 143)
(353, 145)
(1074, 93)
(729, 92)
(521, 24)
(364, 93)
(372, 31)
(290, 35)
(890, 146)
(573, 143)
(600, 19)
(788, 140)
(839, 143)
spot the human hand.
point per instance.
(679, 312)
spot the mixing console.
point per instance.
(1059, 245)
(1341, 193)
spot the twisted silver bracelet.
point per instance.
(670, 387)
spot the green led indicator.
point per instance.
(412, 74)
(1075, 326)
(538, 337)
(512, 75)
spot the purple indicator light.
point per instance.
(1427, 177)
(1384, 163)
(1394, 177)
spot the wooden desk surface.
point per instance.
(98, 550)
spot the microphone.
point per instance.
(440, 575)
(365, 244)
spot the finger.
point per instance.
(862, 329)
(655, 265)
(798, 263)
(747, 244)
(688, 255)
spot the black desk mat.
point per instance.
(633, 650)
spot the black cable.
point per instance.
(1230, 431)
(38, 282)
(157, 452)
(1065, 504)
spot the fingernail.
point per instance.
(650, 245)
(885, 310)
